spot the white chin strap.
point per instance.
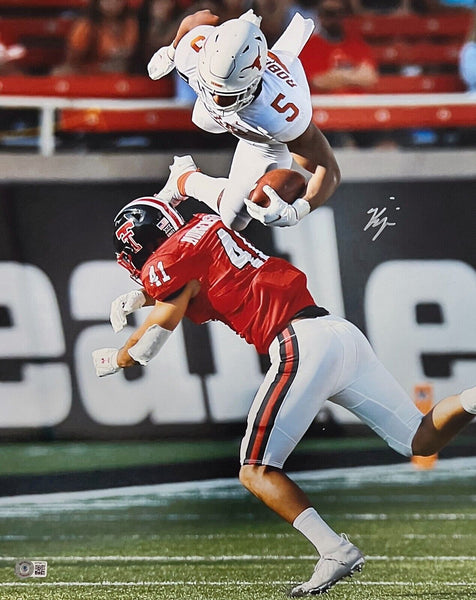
(149, 345)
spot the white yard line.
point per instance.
(230, 558)
(409, 584)
(342, 479)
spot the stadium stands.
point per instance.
(327, 115)
(375, 28)
(431, 44)
(87, 86)
(422, 54)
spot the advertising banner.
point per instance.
(398, 259)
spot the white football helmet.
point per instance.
(231, 63)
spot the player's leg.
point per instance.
(443, 422)
(380, 401)
(250, 162)
(186, 180)
(274, 488)
(225, 195)
(305, 364)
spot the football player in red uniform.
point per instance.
(262, 97)
(205, 271)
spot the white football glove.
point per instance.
(162, 63)
(124, 305)
(279, 213)
(105, 361)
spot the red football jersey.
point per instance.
(254, 294)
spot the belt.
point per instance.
(310, 312)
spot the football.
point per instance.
(289, 184)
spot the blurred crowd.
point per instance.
(120, 36)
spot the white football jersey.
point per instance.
(282, 110)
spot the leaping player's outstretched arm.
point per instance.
(312, 151)
(162, 62)
(201, 17)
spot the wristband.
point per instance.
(302, 208)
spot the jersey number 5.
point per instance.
(282, 108)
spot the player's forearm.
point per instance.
(163, 61)
(321, 186)
(201, 17)
(313, 152)
(165, 315)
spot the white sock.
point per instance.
(468, 400)
(317, 531)
(205, 188)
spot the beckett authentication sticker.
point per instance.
(31, 568)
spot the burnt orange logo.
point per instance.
(256, 64)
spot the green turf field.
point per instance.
(52, 457)
(213, 541)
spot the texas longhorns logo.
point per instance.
(125, 233)
(256, 64)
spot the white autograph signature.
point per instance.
(377, 220)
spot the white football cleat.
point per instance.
(173, 192)
(331, 568)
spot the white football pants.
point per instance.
(313, 360)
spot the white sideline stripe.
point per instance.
(410, 584)
(230, 558)
(345, 478)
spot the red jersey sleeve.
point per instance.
(164, 274)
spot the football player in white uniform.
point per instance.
(262, 97)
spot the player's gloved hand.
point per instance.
(279, 213)
(162, 63)
(124, 305)
(105, 361)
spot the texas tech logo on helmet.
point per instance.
(125, 233)
(140, 228)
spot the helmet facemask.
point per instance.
(242, 99)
